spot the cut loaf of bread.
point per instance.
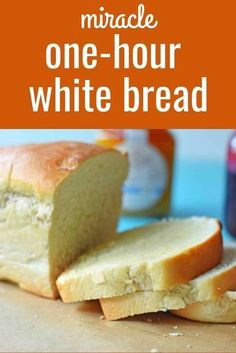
(222, 310)
(56, 200)
(208, 286)
(155, 257)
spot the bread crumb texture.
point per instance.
(154, 257)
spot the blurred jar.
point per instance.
(230, 216)
(147, 190)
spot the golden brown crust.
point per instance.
(217, 286)
(193, 262)
(38, 168)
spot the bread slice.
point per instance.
(155, 257)
(222, 310)
(56, 200)
(208, 286)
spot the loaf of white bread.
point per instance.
(56, 201)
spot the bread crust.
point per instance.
(222, 310)
(37, 169)
(194, 261)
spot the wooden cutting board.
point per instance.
(30, 323)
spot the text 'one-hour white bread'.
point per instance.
(208, 286)
(56, 200)
(222, 310)
(158, 256)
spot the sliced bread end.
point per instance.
(222, 310)
(158, 256)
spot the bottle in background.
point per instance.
(147, 190)
(230, 216)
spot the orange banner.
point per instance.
(72, 64)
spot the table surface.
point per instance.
(32, 324)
